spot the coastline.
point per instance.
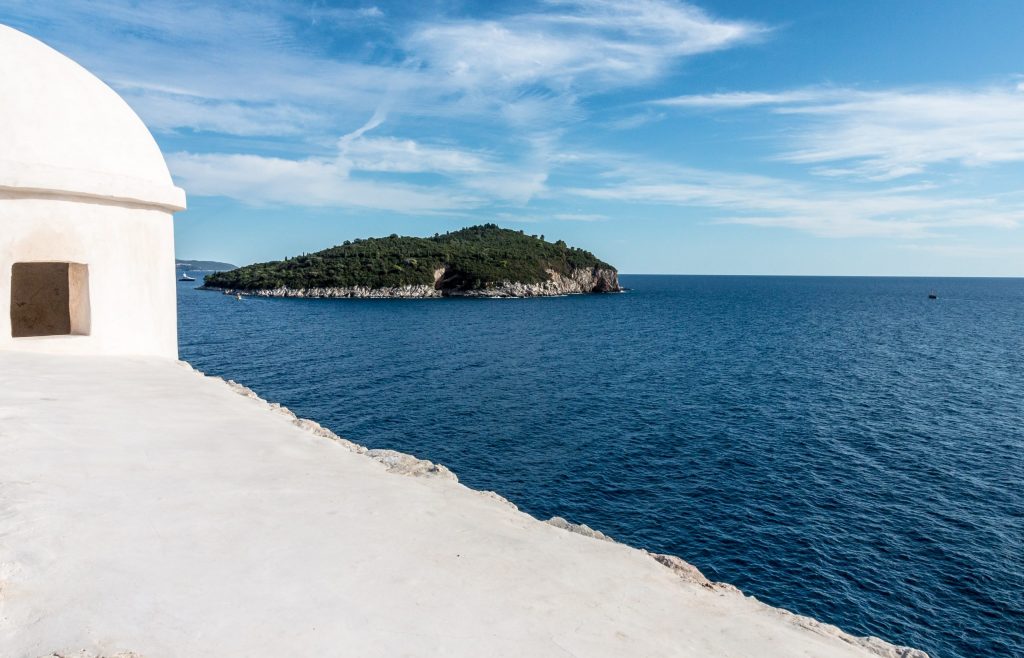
(504, 291)
(188, 521)
(577, 282)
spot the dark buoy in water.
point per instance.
(932, 295)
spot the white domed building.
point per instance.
(86, 205)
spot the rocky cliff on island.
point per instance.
(480, 261)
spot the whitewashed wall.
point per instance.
(130, 254)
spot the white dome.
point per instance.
(63, 131)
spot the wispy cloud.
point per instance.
(345, 15)
(634, 120)
(579, 217)
(966, 250)
(888, 134)
(745, 99)
(362, 174)
(821, 210)
(169, 111)
(314, 182)
(575, 43)
(390, 154)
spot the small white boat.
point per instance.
(185, 277)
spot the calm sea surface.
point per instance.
(841, 447)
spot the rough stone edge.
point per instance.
(691, 574)
(393, 461)
(579, 529)
(405, 464)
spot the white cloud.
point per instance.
(575, 44)
(510, 184)
(962, 250)
(743, 99)
(579, 217)
(893, 134)
(634, 121)
(823, 211)
(168, 111)
(379, 115)
(343, 15)
(312, 182)
(888, 134)
(390, 154)
(502, 180)
(362, 175)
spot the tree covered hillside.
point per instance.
(472, 258)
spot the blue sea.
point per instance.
(844, 448)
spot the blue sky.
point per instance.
(719, 137)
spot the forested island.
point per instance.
(479, 261)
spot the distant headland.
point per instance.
(479, 261)
(202, 265)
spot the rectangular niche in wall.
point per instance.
(49, 299)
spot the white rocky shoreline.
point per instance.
(577, 282)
